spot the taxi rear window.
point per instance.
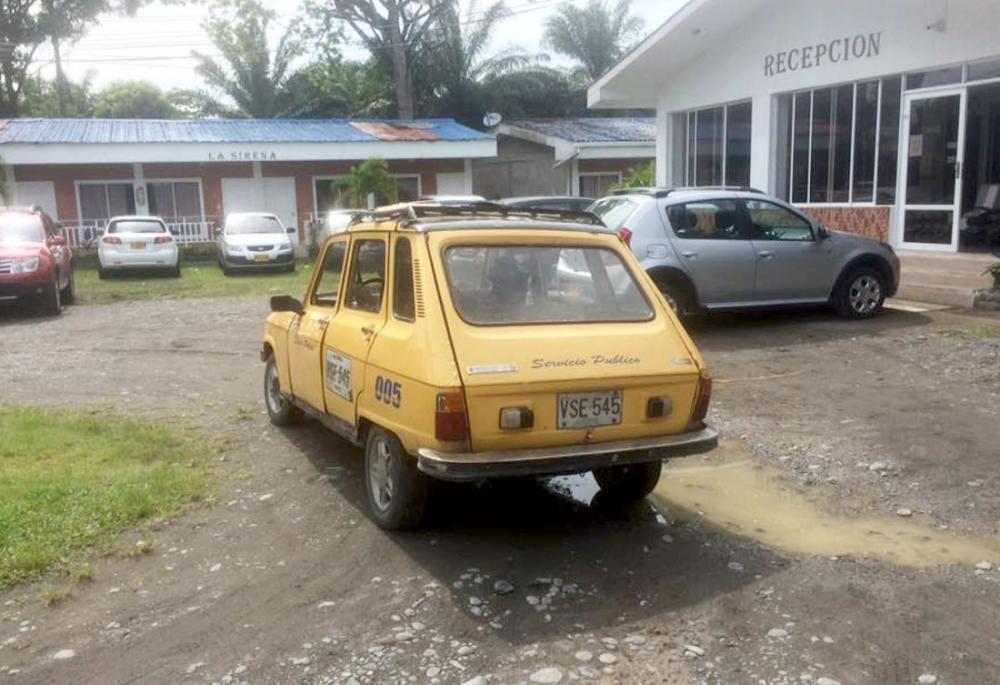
(531, 284)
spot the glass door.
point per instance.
(931, 164)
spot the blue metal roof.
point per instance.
(62, 131)
(593, 130)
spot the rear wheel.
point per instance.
(397, 490)
(677, 294)
(861, 293)
(279, 408)
(629, 482)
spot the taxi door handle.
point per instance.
(368, 331)
(689, 255)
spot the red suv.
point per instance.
(36, 264)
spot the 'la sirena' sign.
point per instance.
(243, 156)
(861, 46)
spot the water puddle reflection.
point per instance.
(730, 491)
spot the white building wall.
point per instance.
(913, 35)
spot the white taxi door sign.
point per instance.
(338, 374)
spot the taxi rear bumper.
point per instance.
(563, 460)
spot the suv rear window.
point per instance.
(614, 211)
(136, 226)
(530, 284)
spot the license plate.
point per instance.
(138, 246)
(589, 409)
(262, 258)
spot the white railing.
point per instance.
(186, 230)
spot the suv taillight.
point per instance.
(451, 424)
(702, 399)
(626, 236)
(160, 239)
(111, 240)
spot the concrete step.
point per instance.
(953, 296)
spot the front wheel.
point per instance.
(397, 490)
(861, 294)
(51, 303)
(629, 482)
(68, 294)
(279, 408)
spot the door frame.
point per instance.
(903, 166)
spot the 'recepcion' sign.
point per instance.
(861, 46)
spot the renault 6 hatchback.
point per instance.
(473, 342)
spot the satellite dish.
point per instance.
(492, 119)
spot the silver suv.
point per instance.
(726, 248)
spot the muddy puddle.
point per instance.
(729, 490)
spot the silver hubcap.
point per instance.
(380, 474)
(272, 390)
(865, 294)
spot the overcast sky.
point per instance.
(156, 44)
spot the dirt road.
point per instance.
(285, 580)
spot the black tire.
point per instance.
(51, 299)
(630, 482)
(397, 490)
(677, 294)
(68, 294)
(279, 408)
(860, 293)
(102, 273)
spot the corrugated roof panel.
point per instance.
(63, 131)
(593, 130)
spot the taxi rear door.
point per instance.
(353, 328)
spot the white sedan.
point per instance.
(137, 242)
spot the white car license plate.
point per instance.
(262, 258)
(138, 246)
(589, 409)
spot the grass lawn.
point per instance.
(70, 482)
(198, 279)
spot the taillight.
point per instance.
(160, 239)
(625, 235)
(704, 397)
(451, 424)
(111, 240)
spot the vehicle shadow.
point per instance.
(731, 331)
(598, 565)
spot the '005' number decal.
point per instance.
(388, 392)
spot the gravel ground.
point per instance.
(284, 579)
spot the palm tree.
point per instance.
(596, 35)
(253, 80)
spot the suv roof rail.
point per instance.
(664, 192)
(413, 212)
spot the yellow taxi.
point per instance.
(469, 342)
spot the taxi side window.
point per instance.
(366, 284)
(705, 220)
(402, 273)
(328, 285)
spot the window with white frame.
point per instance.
(840, 143)
(598, 184)
(99, 201)
(716, 145)
(175, 201)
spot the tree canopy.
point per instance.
(595, 36)
(133, 100)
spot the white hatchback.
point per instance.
(255, 241)
(137, 242)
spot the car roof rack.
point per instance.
(664, 192)
(414, 212)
